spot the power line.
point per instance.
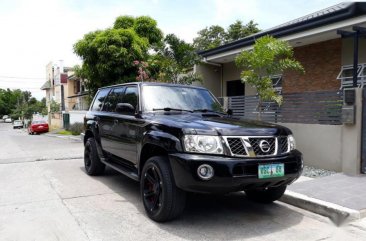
(26, 88)
(18, 81)
(14, 77)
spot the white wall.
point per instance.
(321, 145)
(77, 116)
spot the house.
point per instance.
(325, 55)
(329, 43)
(64, 92)
(77, 98)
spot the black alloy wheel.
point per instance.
(152, 191)
(162, 199)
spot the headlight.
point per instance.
(203, 144)
(291, 142)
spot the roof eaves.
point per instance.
(46, 85)
(330, 15)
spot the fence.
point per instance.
(320, 107)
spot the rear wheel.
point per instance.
(266, 195)
(92, 163)
(163, 200)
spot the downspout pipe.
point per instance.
(221, 73)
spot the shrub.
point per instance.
(76, 128)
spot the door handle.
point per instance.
(116, 122)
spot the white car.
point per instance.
(8, 120)
(17, 124)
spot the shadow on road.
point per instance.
(213, 217)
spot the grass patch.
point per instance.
(65, 132)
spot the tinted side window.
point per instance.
(99, 99)
(131, 96)
(113, 99)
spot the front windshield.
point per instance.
(177, 97)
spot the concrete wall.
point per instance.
(321, 145)
(347, 51)
(77, 116)
(332, 147)
(211, 77)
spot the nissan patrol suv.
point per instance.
(175, 139)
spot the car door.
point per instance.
(128, 126)
(108, 121)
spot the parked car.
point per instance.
(5, 117)
(17, 124)
(38, 126)
(8, 120)
(175, 139)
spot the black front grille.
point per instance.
(263, 146)
(283, 144)
(236, 146)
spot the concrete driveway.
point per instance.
(46, 195)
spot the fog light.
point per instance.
(205, 172)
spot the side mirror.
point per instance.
(230, 112)
(125, 108)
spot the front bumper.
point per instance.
(231, 173)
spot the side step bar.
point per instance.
(122, 169)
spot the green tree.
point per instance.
(237, 30)
(22, 104)
(174, 61)
(215, 35)
(210, 37)
(108, 54)
(9, 99)
(269, 57)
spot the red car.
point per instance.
(37, 127)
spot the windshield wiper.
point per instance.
(171, 109)
(207, 110)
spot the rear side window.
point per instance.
(99, 99)
(131, 96)
(113, 99)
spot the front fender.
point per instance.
(167, 141)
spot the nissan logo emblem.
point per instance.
(264, 145)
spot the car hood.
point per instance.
(218, 125)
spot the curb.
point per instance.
(77, 138)
(338, 214)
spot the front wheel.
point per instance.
(162, 199)
(266, 195)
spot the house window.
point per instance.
(362, 72)
(277, 81)
(77, 86)
(346, 76)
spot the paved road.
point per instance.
(46, 195)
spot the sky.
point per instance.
(33, 33)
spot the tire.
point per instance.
(162, 199)
(266, 196)
(93, 165)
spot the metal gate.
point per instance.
(66, 120)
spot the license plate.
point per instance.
(271, 170)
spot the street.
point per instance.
(46, 195)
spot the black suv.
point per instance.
(176, 139)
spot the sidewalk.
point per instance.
(339, 197)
